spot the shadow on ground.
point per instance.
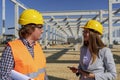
(116, 58)
(54, 58)
(55, 78)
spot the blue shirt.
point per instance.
(7, 60)
(86, 59)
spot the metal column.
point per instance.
(110, 24)
(51, 33)
(3, 19)
(17, 4)
(16, 20)
(46, 36)
(76, 39)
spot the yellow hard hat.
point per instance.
(94, 25)
(31, 16)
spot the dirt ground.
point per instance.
(61, 56)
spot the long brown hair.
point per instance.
(94, 44)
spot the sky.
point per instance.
(60, 5)
(50, 5)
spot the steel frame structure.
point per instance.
(67, 23)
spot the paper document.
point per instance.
(19, 76)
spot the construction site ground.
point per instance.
(59, 57)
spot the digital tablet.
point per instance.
(88, 72)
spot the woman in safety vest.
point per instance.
(96, 60)
(25, 54)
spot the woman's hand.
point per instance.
(91, 75)
(87, 74)
(73, 69)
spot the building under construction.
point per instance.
(63, 27)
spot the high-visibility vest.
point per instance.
(25, 63)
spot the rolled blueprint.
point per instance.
(19, 76)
